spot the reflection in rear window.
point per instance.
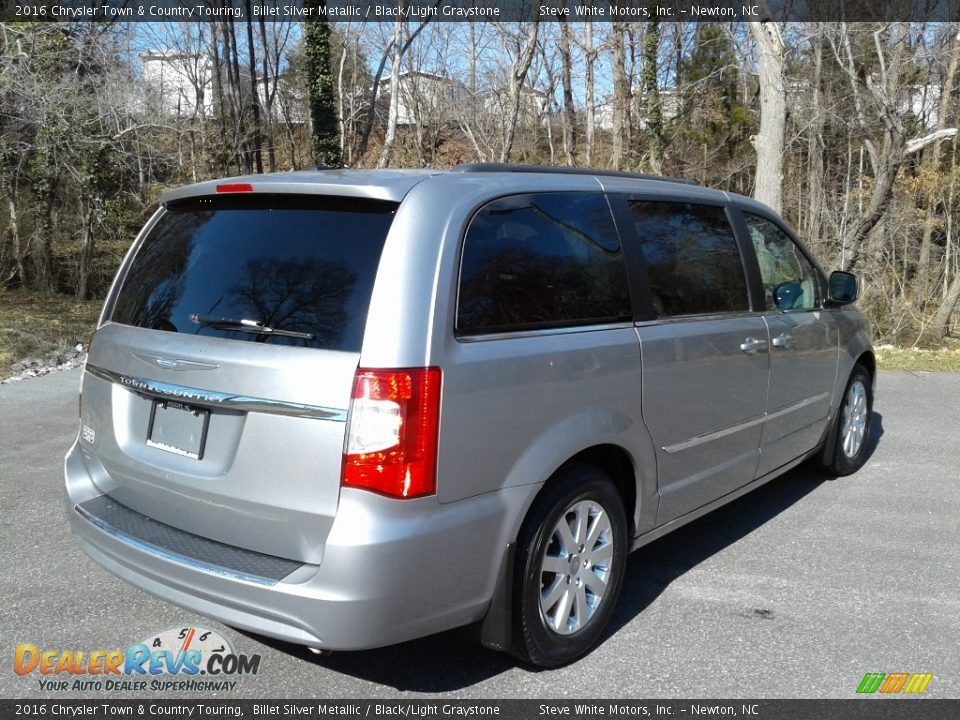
(301, 267)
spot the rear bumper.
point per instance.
(391, 570)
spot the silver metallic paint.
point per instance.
(515, 407)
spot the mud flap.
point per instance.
(496, 631)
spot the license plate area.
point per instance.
(178, 428)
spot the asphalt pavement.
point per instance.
(796, 590)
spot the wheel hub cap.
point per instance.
(575, 567)
(854, 419)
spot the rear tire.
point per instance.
(571, 555)
(851, 427)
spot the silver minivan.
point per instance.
(350, 408)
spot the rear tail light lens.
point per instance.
(392, 431)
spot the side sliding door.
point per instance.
(705, 354)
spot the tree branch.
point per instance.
(918, 144)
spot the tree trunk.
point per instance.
(325, 141)
(621, 97)
(857, 232)
(222, 109)
(269, 94)
(341, 104)
(518, 74)
(86, 250)
(941, 322)
(888, 160)
(241, 144)
(773, 115)
(21, 274)
(589, 93)
(394, 112)
(651, 91)
(933, 202)
(254, 93)
(42, 253)
(569, 113)
(815, 168)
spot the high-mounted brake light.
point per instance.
(392, 432)
(234, 187)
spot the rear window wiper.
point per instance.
(254, 327)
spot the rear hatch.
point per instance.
(217, 388)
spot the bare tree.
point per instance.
(651, 91)
(590, 58)
(932, 159)
(398, 50)
(522, 51)
(769, 139)
(941, 321)
(388, 51)
(254, 92)
(884, 131)
(815, 191)
(569, 112)
(621, 96)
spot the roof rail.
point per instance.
(481, 167)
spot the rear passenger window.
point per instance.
(541, 260)
(692, 258)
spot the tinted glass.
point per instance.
(843, 286)
(789, 281)
(542, 260)
(300, 265)
(692, 258)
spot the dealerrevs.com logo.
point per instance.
(178, 659)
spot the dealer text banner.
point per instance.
(490, 10)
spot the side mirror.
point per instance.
(844, 288)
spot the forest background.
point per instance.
(848, 129)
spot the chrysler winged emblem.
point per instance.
(168, 363)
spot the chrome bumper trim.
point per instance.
(214, 399)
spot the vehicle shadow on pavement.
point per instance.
(454, 660)
(652, 568)
(445, 662)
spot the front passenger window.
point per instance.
(789, 280)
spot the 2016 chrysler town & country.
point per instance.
(350, 408)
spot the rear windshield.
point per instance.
(280, 270)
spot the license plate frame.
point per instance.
(178, 428)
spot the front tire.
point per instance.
(571, 556)
(852, 426)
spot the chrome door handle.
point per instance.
(751, 346)
(783, 341)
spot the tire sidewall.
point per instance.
(540, 644)
(842, 464)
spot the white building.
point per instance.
(182, 83)
(534, 104)
(669, 109)
(424, 98)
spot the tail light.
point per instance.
(392, 431)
